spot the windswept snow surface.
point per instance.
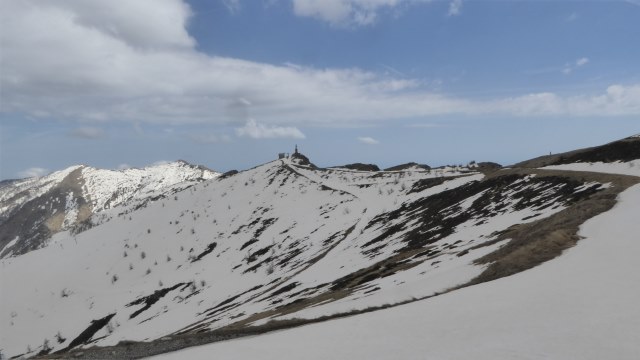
(105, 188)
(276, 241)
(617, 167)
(137, 183)
(582, 305)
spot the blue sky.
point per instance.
(229, 84)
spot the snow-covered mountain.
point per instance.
(283, 244)
(33, 209)
(582, 305)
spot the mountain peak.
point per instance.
(66, 199)
(300, 159)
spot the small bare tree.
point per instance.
(109, 328)
(65, 293)
(59, 338)
(45, 346)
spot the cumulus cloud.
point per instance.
(96, 61)
(455, 7)
(33, 172)
(569, 68)
(347, 12)
(582, 61)
(617, 100)
(232, 5)
(368, 140)
(84, 72)
(260, 131)
(88, 132)
(332, 11)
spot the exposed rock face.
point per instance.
(360, 167)
(408, 166)
(488, 167)
(299, 159)
(228, 174)
(32, 210)
(36, 210)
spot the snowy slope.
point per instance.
(582, 305)
(31, 210)
(134, 184)
(618, 167)
(15, 193)
(277, 241)
(619, 157)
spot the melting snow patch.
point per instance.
(591, 184)
(71, 211)
(11, 243)
(622, 168)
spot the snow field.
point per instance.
(582, 305)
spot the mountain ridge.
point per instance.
(65, 199)
(287, 243)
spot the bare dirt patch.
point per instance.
(534, 243)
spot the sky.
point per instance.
(231, 83)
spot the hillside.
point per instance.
(283, 244)
(582, 305)
(32, 210)
(624, 151)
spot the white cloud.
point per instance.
(79, 72)
(332, 11)
(88, 132)
(96, 62)
(569, 68)
(572, 17)
(368, 140)
(124, 166)
(232, 5)
(582, 61)
(347, 12)
(33, 172)
(455, 7)
(259, 131)
(617, 100)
